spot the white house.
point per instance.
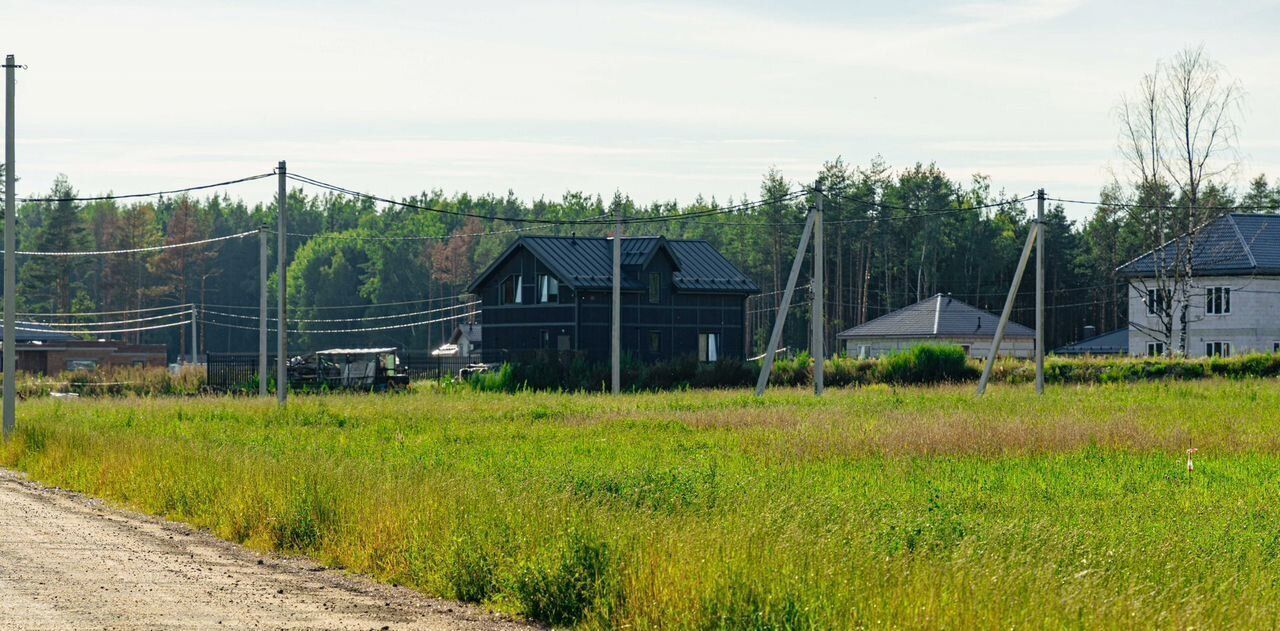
(939, 319)
(1230, 301)
(465, 342)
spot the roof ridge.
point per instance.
(1248, 250)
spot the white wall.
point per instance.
(1252, 326)
(979, 347)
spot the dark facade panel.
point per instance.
(662, 318)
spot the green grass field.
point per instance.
(874, 507)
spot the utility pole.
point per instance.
(615, 342)
(816, 340)
(195, 350)
(282, 253)
(1032, 235)
(262, 311)
(10, 348)
(767, 367)
(1040, 292)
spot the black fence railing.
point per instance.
(424, 365)
(238, 372)
(235, 372)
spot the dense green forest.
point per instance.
(893, 236)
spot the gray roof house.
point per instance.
(1230, 301)
(939, 319)
(1110, 343)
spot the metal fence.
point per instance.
(235, 372)
(423, 365)
(238, 372)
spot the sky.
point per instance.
(660, 100)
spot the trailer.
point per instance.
(368, 369)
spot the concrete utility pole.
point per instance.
(195, 349)
(1032, 235)
(767, 367)
(10, 348)
(282, 330)
(615, 341)
(262, 311)
(1040, 292)
(817, 342)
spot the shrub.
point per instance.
(926, 364)
(562, 589)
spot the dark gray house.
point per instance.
(679, 298)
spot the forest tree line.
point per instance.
(893, 237)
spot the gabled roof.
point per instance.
(1233, 244)
(939, 316)
(587, 263)
(472, 332)
(1110, 343)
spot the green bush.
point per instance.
(563, 588)
(926, 364)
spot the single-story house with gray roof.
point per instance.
(939, 319)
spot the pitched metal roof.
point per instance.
(939, 316)
(1111, 343)
(587, 263)
(472, 332)
(1233, 244)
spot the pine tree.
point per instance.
(54, 283)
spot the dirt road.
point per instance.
(69, 562)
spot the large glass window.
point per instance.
(708, 347)
(1217, 349)
(1157, 301)
(1155, 349)
(655, 288)
(511, 292)
(1217, 300)
(548, 289)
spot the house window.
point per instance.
(511, 292)
(1217, 349)
(562, 342)
(87, 365)
(1157, 301)
(655, 288)
(1217, 300)
(967, 349)
(708, 347)
(655, 342)
(1275, 347)
(546, 338)
(1155, 349)
(548, 289)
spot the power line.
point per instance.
(153, 194)
(153, 248)
(355, 306)
(920, 213)
(360, 319)
(96, 313)
(109, 322)
(111, 331)
(349, 330)
(1159, 206)
(637, 219)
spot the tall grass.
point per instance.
(875, 506)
